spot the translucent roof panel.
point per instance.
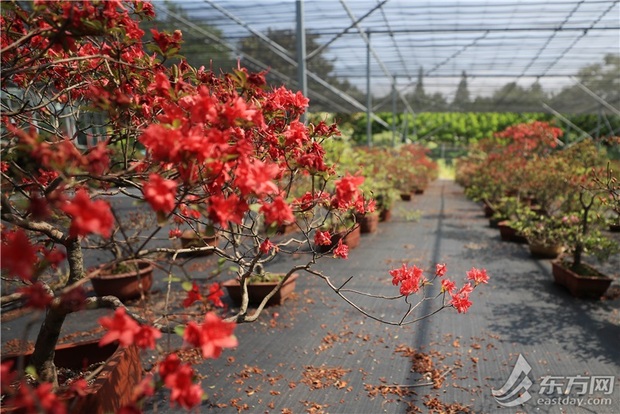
(493, 41)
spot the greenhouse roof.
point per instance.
(493, 42)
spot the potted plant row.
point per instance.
(557, 203)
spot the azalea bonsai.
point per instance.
(499, 165)
(191, 148)
(583, 206)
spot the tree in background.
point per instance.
(461, 98)
(601, 78)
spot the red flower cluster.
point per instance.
(341, 250)
(211, 336)
(88, 216)
(124, 329)
(409, 278)
(179, 378)
(160, 193)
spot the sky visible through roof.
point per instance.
(493, 41)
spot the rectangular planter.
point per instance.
(258, 291)
(112, 388)
(580, 286)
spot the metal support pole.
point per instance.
(394, 112)
(301, 52)
(368, 96)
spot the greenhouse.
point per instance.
(310, 206)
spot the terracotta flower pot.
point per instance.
(488, 211)
(126, 285)
(508, 233)
(368, 222)
(111, 389)
(582, 286)
(385, 215)
(258, 291)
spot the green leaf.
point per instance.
(187, 286)
(179, 330)
(175, 279)
(255, 207)
(233, 269)
(31, 371)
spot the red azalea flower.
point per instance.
(222, 210)
(121, 327)
(212, 336)
(174, 233)
(447, 286)
(215, 295)
(460, 302)
(98, 159)
(168, 365)
(347, 191)
(342, 250)
(145, 337)
(192, 295)
(440, 269)
(266, 246)
(478, 275)
(40, 399)
(18, 256)
(322, 238)
(88, 216)
(160, 193)
(182, 389)
(278, 211)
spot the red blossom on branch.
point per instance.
(478, 275)
(160, 193)
(211, 336)
(215, 295)
(322, 238)
(18, 254)
(193, 295)
(88, 216)
(341, 250)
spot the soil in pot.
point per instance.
(119, 371)
(258, 291)
(130, 282)
(582, 282)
